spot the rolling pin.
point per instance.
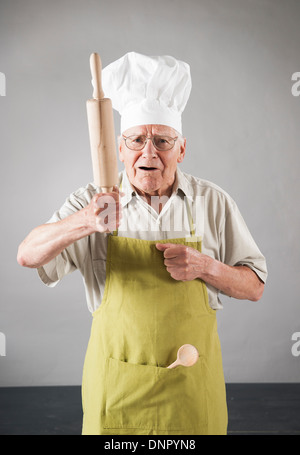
(101, 132)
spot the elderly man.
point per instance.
(154, 256)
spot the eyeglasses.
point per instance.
(161, 143)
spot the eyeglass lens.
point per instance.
(159, 142)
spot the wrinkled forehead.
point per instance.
(162, 130)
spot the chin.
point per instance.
(147, 187)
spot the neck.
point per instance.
(156, 199)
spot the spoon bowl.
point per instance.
(187, 355)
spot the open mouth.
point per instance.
(145, 168)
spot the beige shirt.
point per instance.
(194, 203)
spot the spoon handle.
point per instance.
(174, 364)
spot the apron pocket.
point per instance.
(150, 397)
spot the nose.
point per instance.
(149, 150)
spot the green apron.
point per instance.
(144, 317)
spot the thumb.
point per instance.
(116, 189)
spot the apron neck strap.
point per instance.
(116, 231)
(190, 218)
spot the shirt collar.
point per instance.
(181, 184)
(127, 189)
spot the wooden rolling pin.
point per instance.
(101, 132)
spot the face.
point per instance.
(150, 171)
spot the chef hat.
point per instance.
(148, 90)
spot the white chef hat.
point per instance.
(148, 90)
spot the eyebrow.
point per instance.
(154, 134)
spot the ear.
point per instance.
(121, 157)
(181, 151)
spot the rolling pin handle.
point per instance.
(96, 69)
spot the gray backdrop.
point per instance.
(242, 129)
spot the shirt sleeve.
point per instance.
(237, 246)
(72, 257)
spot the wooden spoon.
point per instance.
(187, 356)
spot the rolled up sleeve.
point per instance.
(237, 246)
(72, 257)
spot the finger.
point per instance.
(164, 246)
(108, 218)
(173, 273)
(172, 262)
(117, 190)
(161, 246)
(107, 198)
(172, 252)
(108, 209)
(108, 226)
(103, 199)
